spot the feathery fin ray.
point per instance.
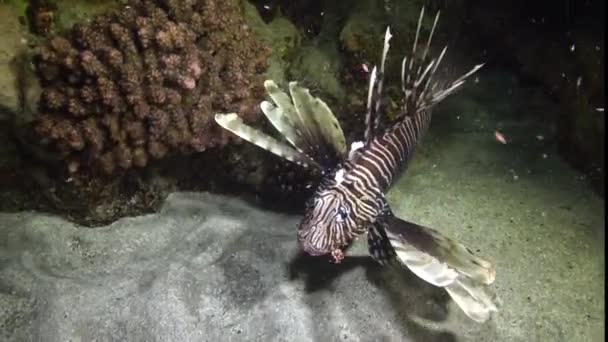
(305, 121)
(369, 116)
(326, 136)
(372, 117)
(445, 263)
(235, 124)
(417, 99)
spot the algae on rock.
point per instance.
(319, 62)
(316, 62)
(318, 65)
(280, 34)
(70, 12)
(11, 45)
(366, 21)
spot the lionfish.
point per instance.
(350, 201)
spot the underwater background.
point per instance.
(128, 214)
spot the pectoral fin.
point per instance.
(326, 138)
(472, 298)
(234, 124)
(306, 122)
(441, 248)
(379, 245)
(438, 260)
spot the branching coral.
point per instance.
(144, 82)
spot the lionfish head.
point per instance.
(327, 225)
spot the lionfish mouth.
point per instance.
(336, 254)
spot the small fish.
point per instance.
(364, 68)
(349, 201)
(500, 138)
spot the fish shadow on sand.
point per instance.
(410, 297)
(247, 264)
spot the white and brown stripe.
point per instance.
(348, 205)
(387, 155)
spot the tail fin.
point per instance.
(446, 263)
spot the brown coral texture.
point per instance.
(144, 82)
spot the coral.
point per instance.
(144, 82)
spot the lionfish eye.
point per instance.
(343, 213)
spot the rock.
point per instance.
(364, 26)
(70, 12)
(12, 44)
(318, 65)
(280, 34)
(19, 90)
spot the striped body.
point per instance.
(352, 202)
(349, 201)
(380, 164)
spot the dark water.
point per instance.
(201, 245)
